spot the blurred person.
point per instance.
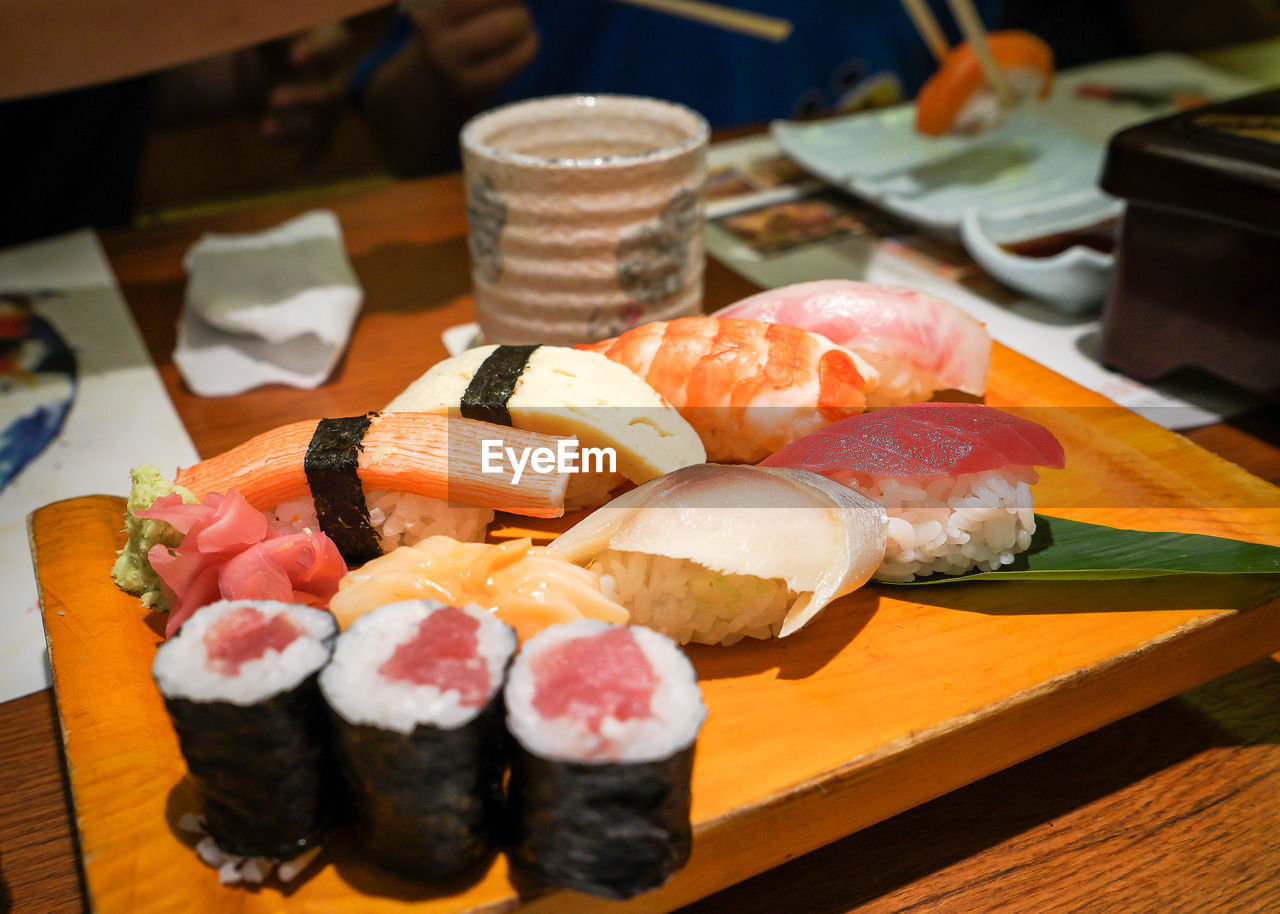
(445, 60)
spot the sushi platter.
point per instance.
(890, 697)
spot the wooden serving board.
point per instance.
(891, 697)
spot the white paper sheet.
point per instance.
(270, 307)
(120, 416)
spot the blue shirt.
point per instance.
(841, 55)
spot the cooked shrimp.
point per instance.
(747, 387)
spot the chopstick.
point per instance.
(757, 25)
(971, 26)
(927, 25)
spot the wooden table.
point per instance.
(1173, 808)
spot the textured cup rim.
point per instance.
(700, 132)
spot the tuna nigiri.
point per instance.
(954, 479)
(917, 342)
(746, 387)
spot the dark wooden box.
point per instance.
(1198, 267)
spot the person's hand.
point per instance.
(478, 45)
(303, 108)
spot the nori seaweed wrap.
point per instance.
(331, 463)
(416, 700)
(614, 829)
(494, 383)
(605, 720)
(239, 682)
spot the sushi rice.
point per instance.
(900, 382)
(400, 518)
(688, 602)
(951, 525)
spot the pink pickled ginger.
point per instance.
(229, 551)
(923, 440)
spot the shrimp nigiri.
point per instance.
(746, 387)
(918, 342)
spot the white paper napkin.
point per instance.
(267, 307)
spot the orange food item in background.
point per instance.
(945, 94)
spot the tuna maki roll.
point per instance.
(239, 681)
(604, 718)
(415, 691)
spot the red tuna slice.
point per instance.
(594, 677)
(443, 654)
(245, 634)
(923, 440)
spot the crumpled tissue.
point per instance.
(271, 307)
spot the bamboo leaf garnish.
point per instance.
(1067, 550)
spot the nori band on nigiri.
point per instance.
(427, 804)
(265, 780)
(614, 829)
(493, 384)
(331, 464)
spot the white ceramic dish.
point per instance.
(1073, 280)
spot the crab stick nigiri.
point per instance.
(917, 342)
(957, 99)
(746, 387)
(366, 480)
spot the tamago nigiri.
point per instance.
(954, 479)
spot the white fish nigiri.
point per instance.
(918, 342)
(714, 553)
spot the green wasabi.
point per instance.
(132, 571)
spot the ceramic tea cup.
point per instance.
(585, 216)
